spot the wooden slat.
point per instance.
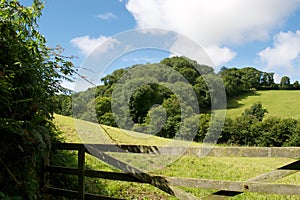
(279, 173)
(68, 146)
(238, 186)
(284, 152)
(112, 176)
(94, 174)
(81, 159)
(274, 175)
(74, 194)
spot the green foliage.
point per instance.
(267, 80)
(279, 132)
(240, 81)
(256, 111)
(66, 159)
(251, 129)
(63, 104)
(144, 98)
(285, 83)
(204, 122)
(296, 85)
(113, 78)
(29, 78)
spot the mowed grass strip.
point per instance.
(279, 103)
(223, 168)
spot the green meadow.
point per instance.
(279, 103)
(224, 168)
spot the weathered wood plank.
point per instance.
(274, 175)
(285, 152)
(81, 160)
(68, 146)
(94, 174)
(238, 186)
(112, 176)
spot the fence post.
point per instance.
(44, 174)
(81, 158)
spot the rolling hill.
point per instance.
(279, 103)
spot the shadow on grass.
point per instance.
(233, 102)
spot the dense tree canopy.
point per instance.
(285, 83)
(29, 77)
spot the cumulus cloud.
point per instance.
(86, 44)
(285, 51)
(220, 55)
(284, 55)
(214, 23)
(106, 16)
(190, 49)
(212, 55)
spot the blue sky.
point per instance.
(264, 34)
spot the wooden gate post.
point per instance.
(81, 159)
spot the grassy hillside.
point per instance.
(279, 103)
(75, 130)
(207, 167)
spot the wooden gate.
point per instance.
(260, 184)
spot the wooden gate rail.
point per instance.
(227, 188)
(274, 152)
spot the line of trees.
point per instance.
(153, 101)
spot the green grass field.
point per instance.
(279, 103)
(208, 167)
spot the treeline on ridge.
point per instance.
(156, 101)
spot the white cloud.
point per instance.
(86, 44)
(220, 55)
(212, 55)
(284, 56)
(106, 16)
(285, 52)
(214, 23)
(182, 46)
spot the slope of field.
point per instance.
(195, 167)
(80, 131)
(279, 103)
